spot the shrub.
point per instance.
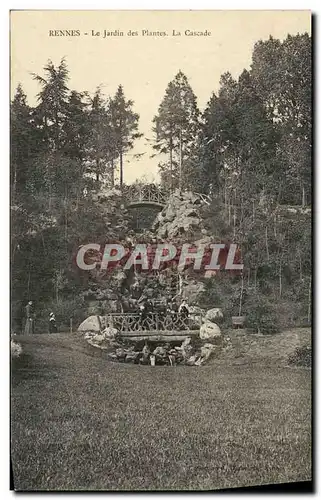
(15, 349)
(302, 356)
(261, 315)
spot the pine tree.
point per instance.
(217, 154)
(76, 127)
(53, 102)
(100, 142)
(124, 123)
(25, 142)
(176, 128)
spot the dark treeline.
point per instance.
(250, 149)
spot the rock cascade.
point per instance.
(181, 216)
(196, 352)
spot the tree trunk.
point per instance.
(14, 186)
(180, 161)
(28, 286)
(112, 174)
(255, 275)
(66, 217)
(303, 196)
(57, 291)
(241, 295)
(309, 301)
(300, 266)
(267, 243)
(50, 192)
(121, 175)
(280, 279)
(234, 221)
(97, 170)
(180, 284)
(56, 130)
(171, 166)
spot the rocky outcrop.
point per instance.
(181, 216)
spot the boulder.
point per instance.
(112, 356)
(132, 357)
(90, 324)
(89, 335)
(160, 351)
(191, 360)
(110, 333)
(97, 339)
(186, 342)
(214, 315)
(207, 350)
(211, 331)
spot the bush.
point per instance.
(302, 356)
(261, 315)
(15, 348)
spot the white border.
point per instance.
(4, 184)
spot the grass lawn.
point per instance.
(80, 422)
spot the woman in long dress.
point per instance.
(29, 326)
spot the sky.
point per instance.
(143, 64)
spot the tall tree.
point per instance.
(282, 75)
(217, 154)
(53, 102)
(25, 141)
(176, 128)
(124, 123)
(77, 126)
(100, 142)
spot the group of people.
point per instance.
(30, 320)
(169, 316)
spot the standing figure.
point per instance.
(30, 326)
(52, 323)
(183, 312)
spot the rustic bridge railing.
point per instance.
(156, 322)
(145, 194)
(152, 194)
